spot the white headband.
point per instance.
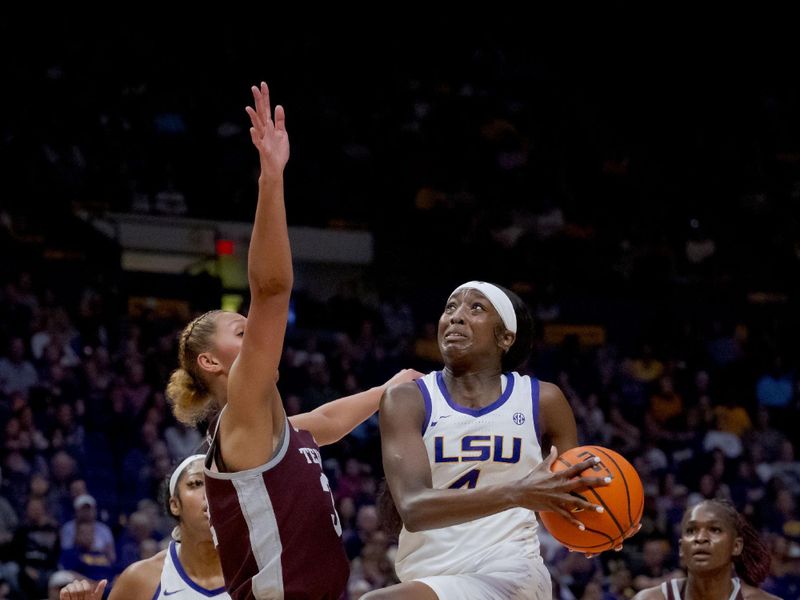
(498, 298)
(176, 474)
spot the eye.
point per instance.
(478, 306)
(450, 307)
(241, 333)
(716, 530)
(196, 483)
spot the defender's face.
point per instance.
(708, 539)
(228, 338)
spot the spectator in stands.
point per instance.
(139, 529)
(8, 523)
(17, 374)
(769, 439)
(36, 549)
(83, 559)
(656, 564)
(367, 525)
(774, 389)
(102, 540)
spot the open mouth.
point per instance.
(454, 335)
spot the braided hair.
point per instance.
(187, 390)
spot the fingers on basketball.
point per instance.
(621, 500)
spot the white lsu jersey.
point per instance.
(177, 585)
(470, 448)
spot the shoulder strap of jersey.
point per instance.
(422, 384)
(214, 449)
(671, 589)
(737, 593)
(535, 387)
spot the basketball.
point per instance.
(622, 500)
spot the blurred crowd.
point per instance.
(578, 172)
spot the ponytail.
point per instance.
(186, 390)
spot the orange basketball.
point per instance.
(622, 499)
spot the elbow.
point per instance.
(411, 524)
(412, 527)
(328, 430)
(410, 514)
(326, 438)
(270, 287)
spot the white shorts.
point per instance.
(509, 584)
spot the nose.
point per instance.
(457, 315)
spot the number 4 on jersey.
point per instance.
(469, 479)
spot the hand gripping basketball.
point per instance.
(545, 489)
(622, 501)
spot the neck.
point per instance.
(716, 585)
(481, 369)
(199, 558)
(473, 387)
(219, 391)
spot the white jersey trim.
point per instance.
(505, 394)
(283, 447)
(676, 589)
(265, 541)
(173, 572)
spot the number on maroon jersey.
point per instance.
(337, 525)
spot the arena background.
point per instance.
(639, 190)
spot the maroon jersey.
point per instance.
(275, 526)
